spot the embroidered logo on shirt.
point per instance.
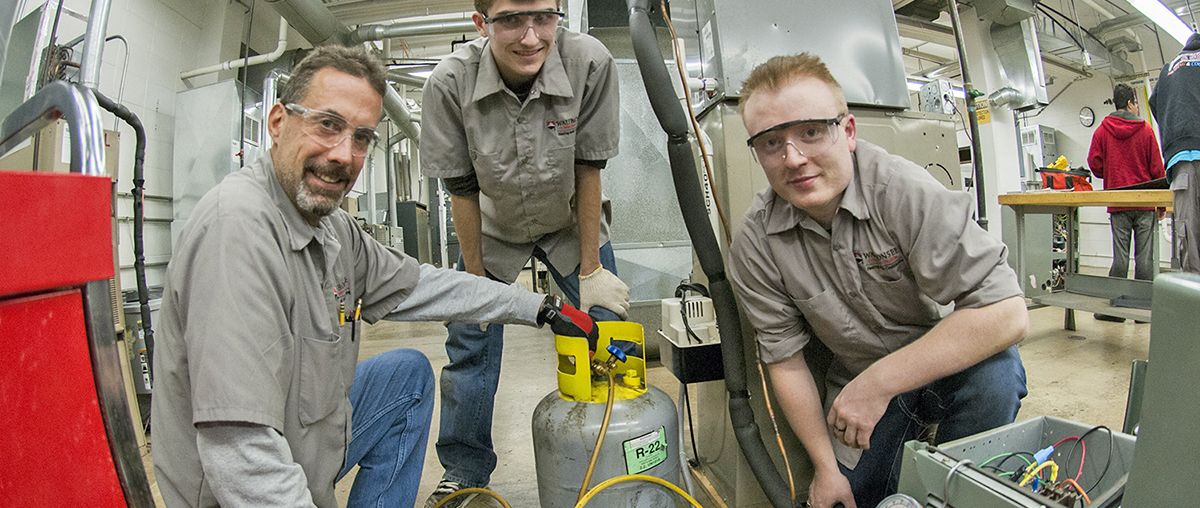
(340, 289)
(562, 127)
(878, 261)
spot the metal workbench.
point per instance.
(1085, 292)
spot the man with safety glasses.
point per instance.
(866, 253)
(518, 124)
(259, 397)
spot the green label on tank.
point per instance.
(645, 451)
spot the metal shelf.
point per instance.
(1076, 301)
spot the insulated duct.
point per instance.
(313, 20)
(691, 203)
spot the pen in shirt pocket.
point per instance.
(354, 319)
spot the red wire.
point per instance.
(1065, 439)
(1082, 454)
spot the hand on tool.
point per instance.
(564, 319)
(602, 288)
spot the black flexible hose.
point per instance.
(139, 216)
(704, 242)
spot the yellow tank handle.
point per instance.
(575, 380)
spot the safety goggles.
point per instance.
(810, 137)
(330, 129)
(515, 24)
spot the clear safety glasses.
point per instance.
(515, 24)
(330, 129)
(810, 137)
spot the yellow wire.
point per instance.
(608, 406)
(1029, 475)
(472, 490)
(636, 477)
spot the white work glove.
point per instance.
(602, 288)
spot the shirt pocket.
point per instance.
(901, 301)
(321, 386)
(826, 317)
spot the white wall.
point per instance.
(165, 38)
(1095, 240)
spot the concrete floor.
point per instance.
(1080, 375)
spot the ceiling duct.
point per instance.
(1004, 12)
(1020, 58)
(1055, 40)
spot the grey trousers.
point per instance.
(1186, 192)
(1138, 224)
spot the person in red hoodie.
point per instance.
(1125, 152)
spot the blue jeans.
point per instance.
(392, 405)
(468, 382)
(979, 398)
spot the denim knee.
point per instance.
(997, 382)
(409, 370)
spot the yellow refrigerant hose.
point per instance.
(636, 478)
(608, 407)
(472, 490)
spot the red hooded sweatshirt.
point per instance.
(1125, 152)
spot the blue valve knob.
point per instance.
(616, 352)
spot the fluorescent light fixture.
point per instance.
(1164, 17)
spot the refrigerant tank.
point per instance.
(642, 433)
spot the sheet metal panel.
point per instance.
(857, 39)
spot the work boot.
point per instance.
(444, 489)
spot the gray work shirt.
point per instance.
(523, 154)
(251, 334)
(901, 252)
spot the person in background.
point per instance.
(518, 124)
(1176, 107)
(1125, 152)
(865, 252)
(259, 397)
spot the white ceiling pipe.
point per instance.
(245, 62)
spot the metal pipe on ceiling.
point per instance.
(406, 78)
(245, 62)
(367, 33)
(93, 46)
(271, 84)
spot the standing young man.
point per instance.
(864, 251)
(1125, 152)
(259, 397)
(518, 124)
(1176, 106)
